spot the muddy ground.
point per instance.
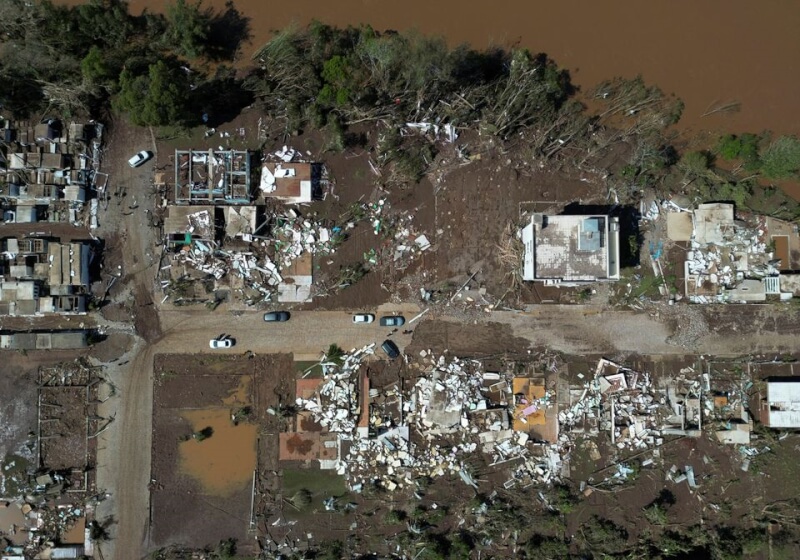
(201, 490)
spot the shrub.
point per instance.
(781, 159)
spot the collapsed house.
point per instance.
(41, 276)
(730, 259)
(639, 415)
(259, 256)
(391, 436)
(219, 226)
(569, 250)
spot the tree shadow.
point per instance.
(229, 29)
(221, 98)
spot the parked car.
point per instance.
(363, 318)
(393, 321)
(391, 349)
(276, 317)
(140, 158)
(218, 343)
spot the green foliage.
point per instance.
(546, 548)
(95, 67)
(695, 164)
(157, 98)
(781, 159)
(729, 146)
(459, 546)
(739, 193)
(360, 74)
(394, 517)
(189, 28)
(334, 136)
(301, 499)
(744, 147)
(70, 58)
(563, 499)
(335, 73)
(335, 354)
(604, 535)
(330, 550)
(656, 514)
(203, 434)
(242, 415)
(226, 549)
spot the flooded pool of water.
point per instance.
(241, 394)
(224, 462)
(12, 516)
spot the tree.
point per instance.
(203, 434)
(188, 29)
(335, 354)
(157, 98)
(695, 164)
(95, 68)
(781, 159)
(744, 147)
(225, 549)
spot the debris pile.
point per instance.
(295, 236)
(618, 401)
(729, 258)
(454, 408)
(336, 407)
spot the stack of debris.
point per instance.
(456, 408)
(619, 401)
(296, 236)
(729, 257)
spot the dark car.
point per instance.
(393, 321)
(276, 317)
(391, 349)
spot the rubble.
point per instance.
(730, 258)
(454, 408)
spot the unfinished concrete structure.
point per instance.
(212, 177)
(569, 250)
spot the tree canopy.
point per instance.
(359, 74)
(157, 97)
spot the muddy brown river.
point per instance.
(707, 53)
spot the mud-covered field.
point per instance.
(202, 485)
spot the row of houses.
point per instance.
(48, 170)
(42, 276)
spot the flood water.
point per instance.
(223, 463)
(708, 52)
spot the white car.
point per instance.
(140, 158)
(217, 343)
(363, 318)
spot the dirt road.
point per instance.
(306, 334)
(570, 329)
(123, 454)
